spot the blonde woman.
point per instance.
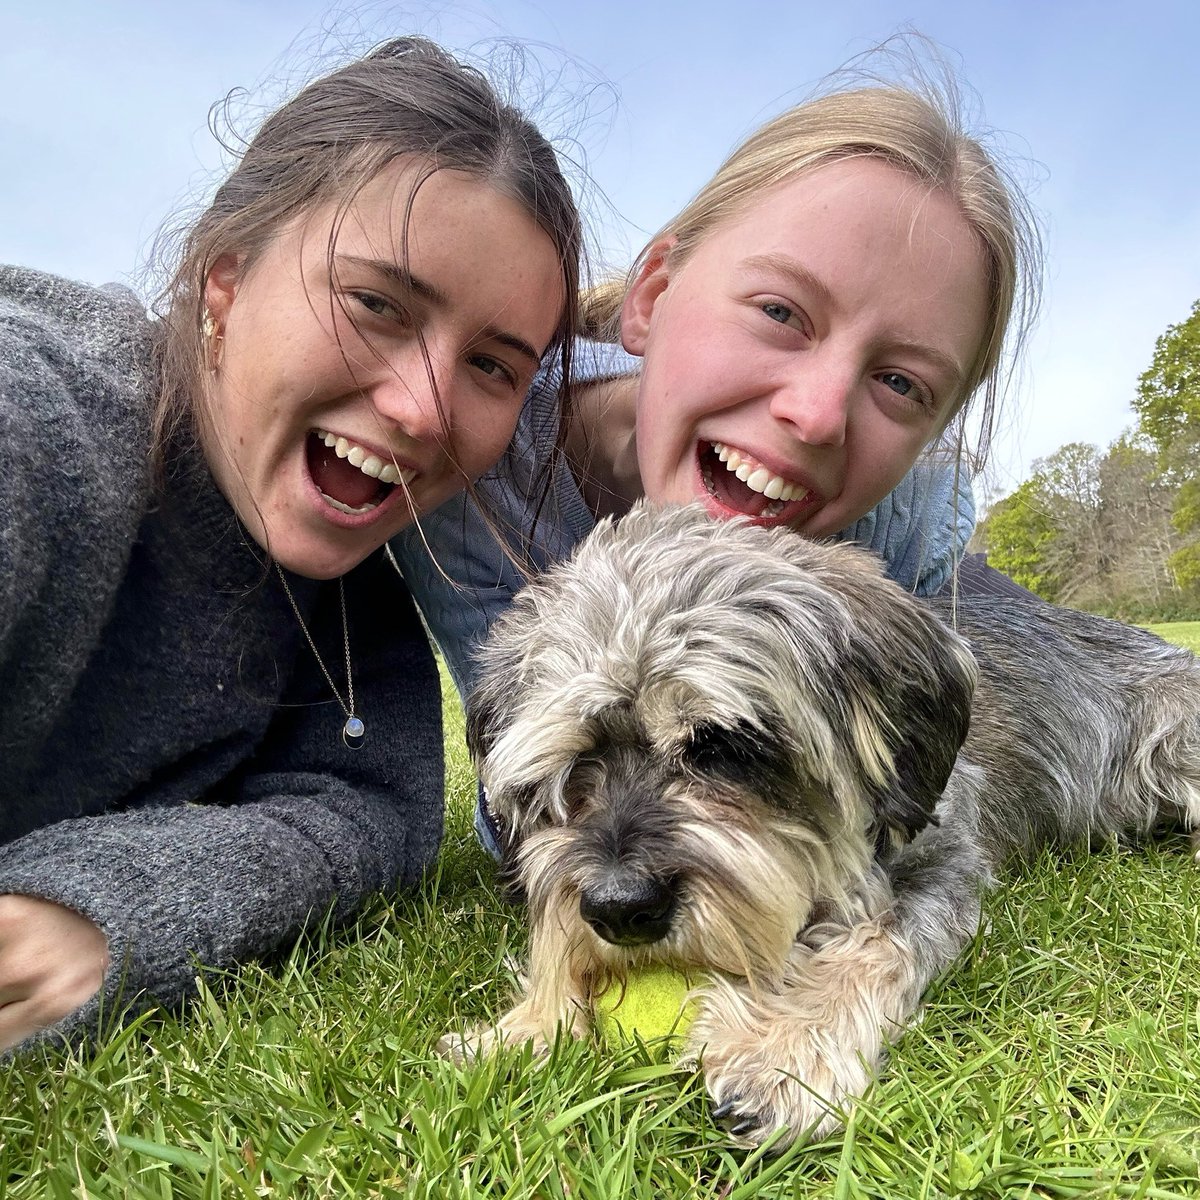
(799, 346)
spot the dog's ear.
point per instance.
(482, 720)
(907, 683)
(485, 719)
(925, 683)
(490, 704)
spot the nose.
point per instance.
(414, 389)
(816, 405)
(628, 910)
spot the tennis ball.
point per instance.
(652, 1003)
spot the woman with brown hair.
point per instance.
(218, 711)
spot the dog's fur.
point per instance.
(734, 750)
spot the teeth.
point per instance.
(757, 477)
(367, 463)
(354, 512)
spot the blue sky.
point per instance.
(103, 134)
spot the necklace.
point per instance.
(354, 731)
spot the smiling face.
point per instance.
(797, 361)
(326, 427)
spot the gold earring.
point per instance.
(213, 341)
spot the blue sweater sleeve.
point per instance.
(461, 579)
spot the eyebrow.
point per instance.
(781, 264)
(802, 276)
(409, 282)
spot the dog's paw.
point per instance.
(522, 1025)
(792, 1077)
(467, 1046)
(798, 1058)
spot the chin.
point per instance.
(315, 561)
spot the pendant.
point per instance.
(353, 732)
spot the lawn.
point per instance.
(1185, 633)
(1061, 1059)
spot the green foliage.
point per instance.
(1186, 565)
(1168, 396)
(1179, 610)
(1168, 404)
(1017, 534)
(1187, 506)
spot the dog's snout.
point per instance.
(628, 911)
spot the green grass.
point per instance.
(1061, 1059)
(1185, 633)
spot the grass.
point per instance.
(1185, 633)
(1061, 1059)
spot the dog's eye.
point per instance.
(735, 753)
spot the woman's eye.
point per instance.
(378, 305)
(910, 389)
(493, 369)
(900, 384)
(778, 312)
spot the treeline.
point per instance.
(1117, 531)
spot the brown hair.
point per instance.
(921, 135)
(406, 97)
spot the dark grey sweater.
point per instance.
(171, 763)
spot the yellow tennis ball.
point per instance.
(652, 1003)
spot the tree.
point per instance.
(1168, 396)
(1168, 407)
(1078, 556)
(1185, 562)
(1136, 505)
(1017, 534)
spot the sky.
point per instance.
(104, 135)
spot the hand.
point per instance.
(52, 961)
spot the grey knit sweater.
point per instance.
(171, 764)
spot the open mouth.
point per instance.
(743, 485)
(350, 478)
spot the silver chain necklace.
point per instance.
(354, 731)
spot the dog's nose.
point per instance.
(628, 911)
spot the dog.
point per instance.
(738, 752)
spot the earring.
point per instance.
(213, 341)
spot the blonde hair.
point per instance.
(917, 133)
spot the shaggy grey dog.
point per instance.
(735, 751)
